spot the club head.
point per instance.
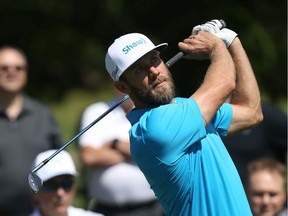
(35, 182)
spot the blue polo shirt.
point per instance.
(186, 163)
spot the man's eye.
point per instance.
(258, 194)
(273, 194)
(139, 69)
(154, 61)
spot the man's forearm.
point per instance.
(247, 91)
(246, 94)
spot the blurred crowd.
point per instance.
(113, 183)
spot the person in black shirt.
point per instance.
(27, 127)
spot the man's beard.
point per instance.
(156, 97)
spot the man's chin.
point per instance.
(60, 209)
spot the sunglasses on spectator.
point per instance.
(52, 185)
(18, 68)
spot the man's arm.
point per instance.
(219, 80)
(109, 154)
(245, 99)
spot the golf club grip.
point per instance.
(174, 59)
(180, 54)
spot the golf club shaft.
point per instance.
(80, 133)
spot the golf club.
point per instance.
(35, 182)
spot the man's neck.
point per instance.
(12, 104)
(43, 213)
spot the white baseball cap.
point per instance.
(61, 164)
(126, 50)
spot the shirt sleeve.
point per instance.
(222, 119)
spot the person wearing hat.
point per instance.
(176, 141)
(56, 196)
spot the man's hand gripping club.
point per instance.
(217, 27)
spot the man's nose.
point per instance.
(153, 71)
(60, 191)
(266, 198)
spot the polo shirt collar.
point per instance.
(135, 114)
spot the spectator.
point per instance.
(268, 139)
(115, 184)
(266, 187)
(56, 196)
(27, 128)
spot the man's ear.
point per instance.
(121, 86)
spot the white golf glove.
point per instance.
(212, 26)
(217, 28)
(227, 36)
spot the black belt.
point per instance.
(123, 207)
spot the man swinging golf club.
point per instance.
(176, 141)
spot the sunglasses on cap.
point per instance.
(52, 185)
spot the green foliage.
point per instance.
(66, 41)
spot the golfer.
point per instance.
(176, 141)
